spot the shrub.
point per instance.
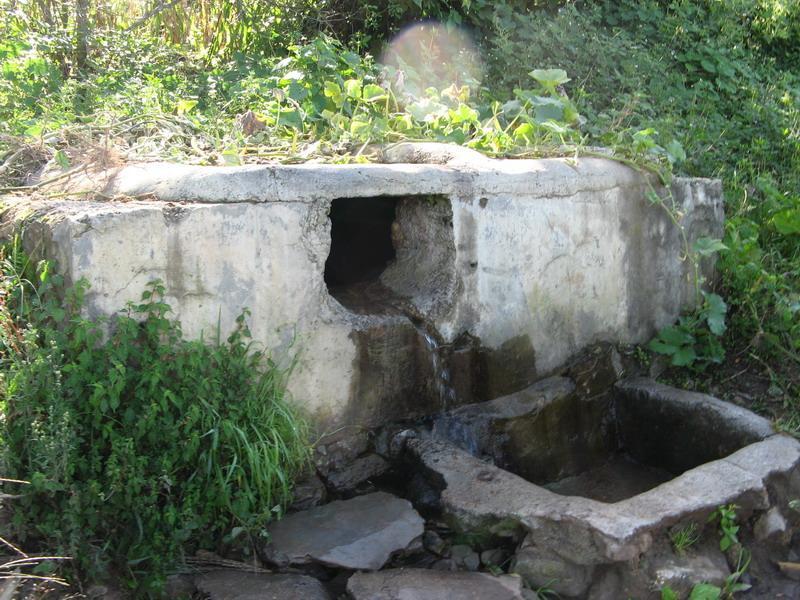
(138, 445)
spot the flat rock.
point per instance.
(423, 584)
(236, 585)
(358, 534)
(681, 573)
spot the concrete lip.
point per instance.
(741, 462)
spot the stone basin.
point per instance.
(606, 447)
(539, 463)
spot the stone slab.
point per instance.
(424, 584)
(236, 585)
(361, 533)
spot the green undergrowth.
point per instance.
(138, 445)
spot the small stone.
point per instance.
(307, 493)
(106, 592)
(179, 586)
(772, 526)
(433, 542)
(397, 443)
(465, 557)
(336, 452)
(422, 584)
(357, 473)
(493, 557)
(361, 533)
(445, 564)
(540, 568)
(238, 585)
(459, 551)
(422, 493)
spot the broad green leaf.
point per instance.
(290, 118)
(426, 110)
(292, 76)
(705, 246)
(512, 108)
(675, 152)
(667, 593)
(684, 356)
(787, 222)
(334, 91)
(550, 77)
(644, 137)
(232, 158)
(34, 130)
(554, 127)
(62, 160)
(676, 336)
(715, 310)
(185, 105)
(660, 347)
(526, 132)
(296, 91)
(374, 93)
(463, 114)
(352, 87)
(548, 109)
(705, 591)
(360, 128)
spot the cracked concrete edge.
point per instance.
(412, 169)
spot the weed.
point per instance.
(684, 538)
(138, 445)
(726, 515)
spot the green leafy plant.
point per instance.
(726, 515)
(708, 591)
(695, 339)
(138, 445)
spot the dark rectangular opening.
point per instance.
(361, 250)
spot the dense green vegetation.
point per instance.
(701, 87)
(139, 447)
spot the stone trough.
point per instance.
(601, 480)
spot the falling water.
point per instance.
(446, 425)
(441, 370)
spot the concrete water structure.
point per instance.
(464, 311)
(508, 266)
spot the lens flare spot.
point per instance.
(432, 55)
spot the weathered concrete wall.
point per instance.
(534, 260)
